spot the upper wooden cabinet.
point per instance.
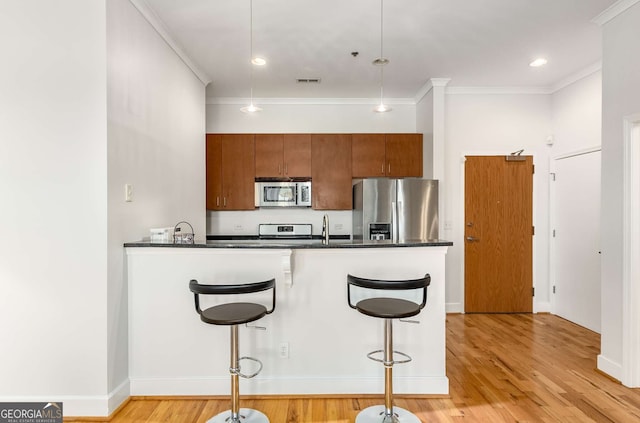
(230, 172)
(390, 155)
(331, 171)
(283, 156)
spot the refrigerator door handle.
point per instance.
(394, 222)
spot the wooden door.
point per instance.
(214, 171)
(331, 171)
(498, 235)
(404, 155)
(297, 155)
(238, 172)
(368, 155)
(268, 155)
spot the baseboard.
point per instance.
(285, 386)
(88, 405)
(119, 396)
(454, 308)
(610, 367)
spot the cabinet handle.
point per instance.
(218, 201)
(286, 169)
(224, 202)
(382, 169)
(389, 169)
(279, 169)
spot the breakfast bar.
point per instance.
(313, 343)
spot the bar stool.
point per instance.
(234, 314)
(388, 309)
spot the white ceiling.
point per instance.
(475, 43)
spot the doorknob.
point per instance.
(472, 239)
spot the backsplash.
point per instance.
(246, 222)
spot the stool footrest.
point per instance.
(242, 375)
(386, 363)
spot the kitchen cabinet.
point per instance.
(283, 156)
(331, 171)
(230, 172)
(390, 155)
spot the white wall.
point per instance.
(495, 124)
(62, 171)
(308, 118)
(53, 186)
(576, 112)
(620, 97)
(424, 124)
(156, 121)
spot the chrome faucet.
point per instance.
(325, 229)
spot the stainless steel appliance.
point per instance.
(284, 231)
(395, 209)
(283, 194)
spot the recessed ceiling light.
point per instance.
(541, 61)
(258, 61)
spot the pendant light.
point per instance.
(251, 108)
(381, 62)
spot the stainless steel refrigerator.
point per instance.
(396, 209)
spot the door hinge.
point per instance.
(533, 169)
(533, 230)
(553, 233)
(533, 292)
(554, 289)
(553, 176)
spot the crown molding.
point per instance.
(309, 101)
(156, 23)
(589, 70)
(498, 90)
(612, 11)
(431, 84)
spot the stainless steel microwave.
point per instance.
(283, 194)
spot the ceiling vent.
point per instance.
(308, 80)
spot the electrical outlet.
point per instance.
(337, 227)
(284, 350)
(238, 228)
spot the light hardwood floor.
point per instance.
(501, 368)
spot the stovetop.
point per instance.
(284, 231)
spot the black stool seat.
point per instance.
(388, 308)
(233, 313)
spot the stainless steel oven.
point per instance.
(283, 194)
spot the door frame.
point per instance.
(552, 217)
(537, 308)
(630, 251)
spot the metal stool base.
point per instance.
(247, 415)
(375, 414)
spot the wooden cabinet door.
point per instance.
(368, 155)
(297, 155)
(404, 155)
(331, 171)
(268, 155)
(214, 171)
(238, 171)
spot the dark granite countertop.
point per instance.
(294, 244)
